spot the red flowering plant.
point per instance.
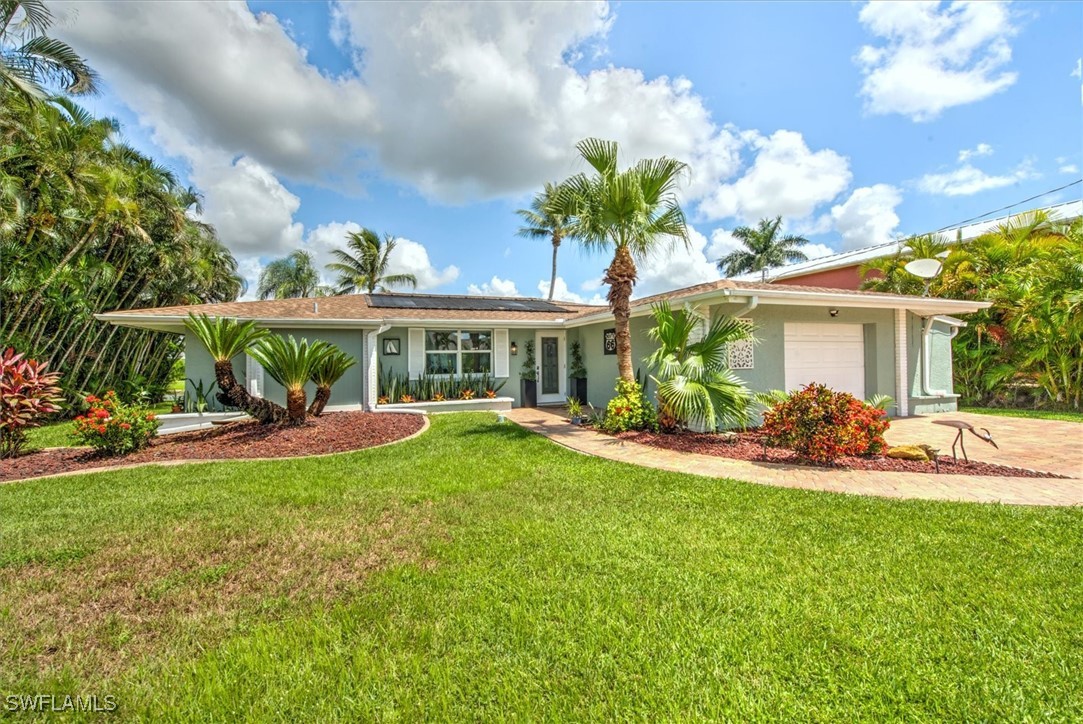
(822, 425)
(114, 428)
(27, 394)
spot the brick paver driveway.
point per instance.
(971, 488)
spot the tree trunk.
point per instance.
(323, 394)
(231, 393)
(553, 276)
(621, 278)
(295, 406)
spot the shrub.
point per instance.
(27, 394)
(114, 428)
(629, 410)
(822, 425)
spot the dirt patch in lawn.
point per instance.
(750, 446)
(333, 432)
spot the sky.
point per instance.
(858, 123)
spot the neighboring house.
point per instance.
(861, 342)
(843, 271)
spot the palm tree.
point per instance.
(29, 58)
(694, 382)
(631, 212)
(764, 249)
(291, 276)
(291, 364)
(362, 267)
(888, 273)
(547, 218)
(325, 374)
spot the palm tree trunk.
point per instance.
(231, 393)
(553, 276)
(319, 401)
(621, 278)
(295, 406)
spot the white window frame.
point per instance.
(459, 351)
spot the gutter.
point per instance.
(926, 350)
(753, 302)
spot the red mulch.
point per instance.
(749, 446)
(333, 432)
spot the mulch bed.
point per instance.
(749, 446)
(333, 432)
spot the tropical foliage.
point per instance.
(294, 275)
(290, 363)
(632, 213)
(549, 217)
(823, 425)
(325, 374)
(28, 394)
(694, 383)
(30, 60)
(764, 249)
(362, 265)
(629, 409)
(114, 428)
(1031, 269)
(401, 388)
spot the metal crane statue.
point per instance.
(961, 426)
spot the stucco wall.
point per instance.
(940, 367)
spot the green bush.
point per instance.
(629, 410)
(114, 428)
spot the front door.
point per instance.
(552, 385)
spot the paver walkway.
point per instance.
(970, 488)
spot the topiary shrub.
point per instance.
(629, 410)
(822, 425)
(114, 428)
(27, 394)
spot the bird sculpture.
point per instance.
(961, 426)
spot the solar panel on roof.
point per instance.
(470, 304)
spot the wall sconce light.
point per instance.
(833, 312)
(514, 349)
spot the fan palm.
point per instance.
(291, 276)
(549, 217)
(694, 382)
(362, 266)
(290, 363)
(325, 374)
(634, 213)
(764, 249)
(29, 58)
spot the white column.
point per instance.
(371, 390)
(902, 382)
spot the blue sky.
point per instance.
(858, 123)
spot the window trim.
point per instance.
(458, 351)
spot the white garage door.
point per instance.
(831, 354)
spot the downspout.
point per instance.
(926, 353)
(372, 383)
(753, 302)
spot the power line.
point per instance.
(1009, 206)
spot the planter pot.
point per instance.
(177, 409)
(577, 420)
(528, 393)
(579, 389)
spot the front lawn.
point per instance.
(479, 571)
(1064, 415)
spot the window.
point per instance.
(458, 352)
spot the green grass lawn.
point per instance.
(481, 572)
(57, 434)
(1035, 414)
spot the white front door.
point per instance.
(831, 354)
(552, 368)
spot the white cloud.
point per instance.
(677, 267)
(786, 178)
(1069, 168)
(982, 149)
(967, 180)
(495, 287)
(250, 208)
(934, 56)
(867, 217)
(562, 293)
(1077, 71)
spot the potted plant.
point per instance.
(578, 373)
(528, 378)
(575, 410)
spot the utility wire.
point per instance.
(1009, 206)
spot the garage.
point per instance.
(831, 354)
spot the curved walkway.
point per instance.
(968, 488)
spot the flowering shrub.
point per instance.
(114, 428)
(822, 425)
(27, 394)
(467, 394)
(629, 410)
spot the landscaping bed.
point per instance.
(331, 433)
(750, 446)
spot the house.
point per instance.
(843, 270)
(865, 343)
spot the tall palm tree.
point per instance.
(764, 249)
(362, 266)
(634, 213)
(291, 276)
(30, 59)
(547, 218)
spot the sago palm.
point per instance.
(633, 213)
(693, 379)
(362, 266)
(290, 363)
(291, 276)
(325, 374)
(763, 249)
(549, 217)
(30, 59)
